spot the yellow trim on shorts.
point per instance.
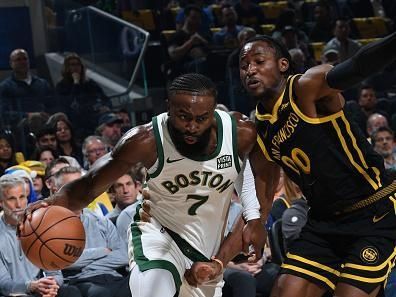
(364, 279)
(372, 268)
(310, 273)
(313, 263)
(263, 148)
(350, 157)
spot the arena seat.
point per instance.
(143, 18)
(267, 29)
(317, 49)
(371, 27)
(273, 9)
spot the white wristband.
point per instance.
(251, 214)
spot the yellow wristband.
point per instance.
(218, 261)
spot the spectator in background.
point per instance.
(207, 20)
(374, 122)
(322, 28)
(330, 56)
(7, 154)
(125, 192)
(346, 46)
(188, 47)
(290, 39)
(249, 14)
(100, 206)
(46, 155)
(239, 100)
(299, 60)
(27, 130)
(288, 18)
(383, 140)
(126, 217)
(228, 35)
(67, 144)
(46, 137)
(23, 92)
(50, 171)
(93, 148)
(123, 114)
(39, 187)
(27, 175)
(80, 97)
(109, 128)
(18, 276)
(367, 100)
(94, 273)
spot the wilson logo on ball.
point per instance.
(71, 250)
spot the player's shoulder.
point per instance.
(138, 138)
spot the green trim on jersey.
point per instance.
(142, 261)
(219, 142)
(160, 149)
(235, 144)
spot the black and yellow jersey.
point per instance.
(328, 157)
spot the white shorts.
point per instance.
(151, 247)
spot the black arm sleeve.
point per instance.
(368, 60)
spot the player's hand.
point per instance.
(28, 213)
(254, 234)
(144, 212)
(201, 272)
(44, 286)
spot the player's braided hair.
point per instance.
(192, 83)
(280, 50)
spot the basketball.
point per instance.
(54, 238)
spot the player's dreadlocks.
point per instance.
(192, 83)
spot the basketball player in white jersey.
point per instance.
(194, 154)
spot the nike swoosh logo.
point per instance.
(172, 161)
(377, 219)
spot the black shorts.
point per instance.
(357, 248)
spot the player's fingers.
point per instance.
(189, 276)
(146, 205)
(204, 274)
(253, 258)
(144, 216)
(146, 194)
(31, 208)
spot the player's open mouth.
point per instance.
(190, 139)
(252, 83)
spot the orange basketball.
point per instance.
(54, 238)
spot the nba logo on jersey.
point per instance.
(224, 161)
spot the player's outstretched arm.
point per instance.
(137, 145)
(368, 60)
(324, 80)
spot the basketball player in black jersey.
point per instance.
(348, 243)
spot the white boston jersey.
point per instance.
(191, 197)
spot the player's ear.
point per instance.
(283, 64)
